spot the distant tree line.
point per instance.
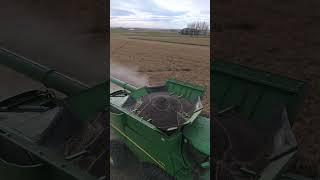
(196, 28)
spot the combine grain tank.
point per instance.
(163, 127)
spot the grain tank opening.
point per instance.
(165, 110)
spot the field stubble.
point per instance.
(160, 61)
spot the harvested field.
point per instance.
(198, 41)
(142, 32)
(162, 36)
(160, 61)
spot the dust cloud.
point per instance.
(128, 74)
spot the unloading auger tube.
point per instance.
(122, 84)
(48, 77)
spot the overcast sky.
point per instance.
(166, 14)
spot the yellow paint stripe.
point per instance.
(123, 134)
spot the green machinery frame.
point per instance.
(85, 101)
(153, 146)
(254, 92)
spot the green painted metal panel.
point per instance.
(198, 133)
(118, 119)
(153, 142)
(148, 143)
(254, 91)
(89, 103)
(139, 93)
(186, 90)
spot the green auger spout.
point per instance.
(122, 84)
(48, 77)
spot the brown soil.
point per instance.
(179, 40)
(280, 37)
(160, 61)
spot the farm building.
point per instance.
(189, 31)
